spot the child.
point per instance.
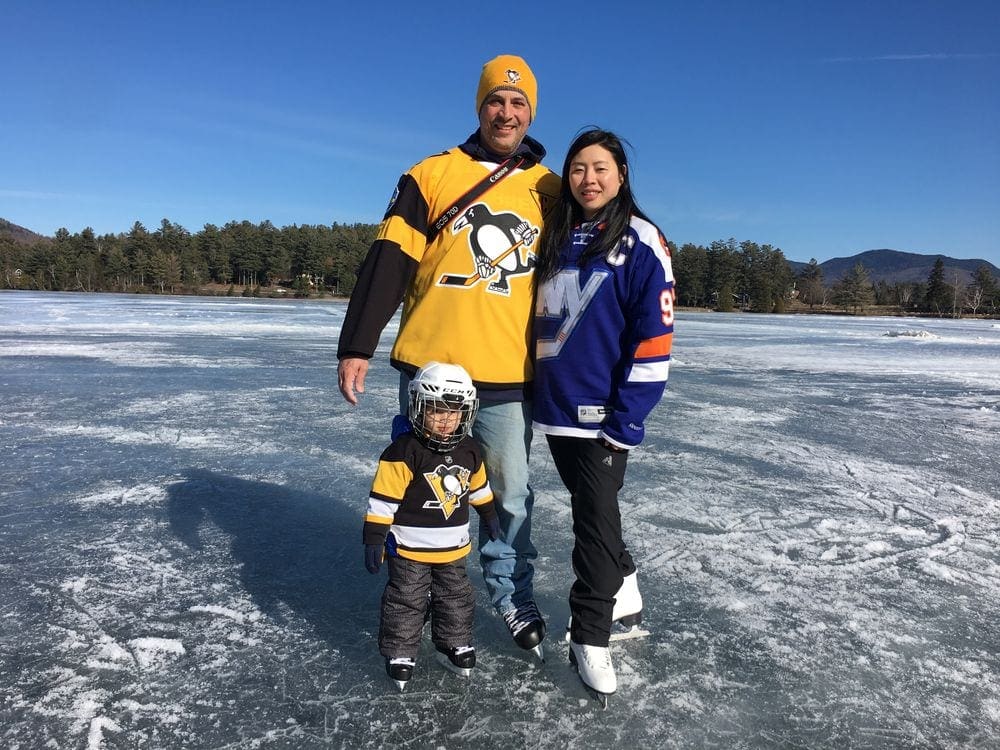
(418, 518)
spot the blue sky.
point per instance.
(822, 128)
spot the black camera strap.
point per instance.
(506, 168)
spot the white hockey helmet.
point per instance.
(442, 387)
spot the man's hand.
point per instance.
(351, 377)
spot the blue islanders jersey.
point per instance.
(602, 337)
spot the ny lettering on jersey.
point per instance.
(562, 299)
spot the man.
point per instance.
(456, 247)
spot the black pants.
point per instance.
(404, 602)
(593, 475)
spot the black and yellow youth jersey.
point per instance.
(423, 498)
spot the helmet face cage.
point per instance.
(442, 388)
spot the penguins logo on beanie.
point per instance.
(507, 73)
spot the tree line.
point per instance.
(936, 296)
(313, 260)
(728, 275)
(258, 257)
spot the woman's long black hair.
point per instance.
(567, 213)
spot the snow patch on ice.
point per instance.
(75, 585)
(151, 652)
(119, 495)
(98, 726)
(830, 554)
(232, 614)
(937, 570)
(913, 334)
(126, 355)
(175, 438)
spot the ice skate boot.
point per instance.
(460, 659)
(526, 627)
(400, 669)
(597, 673)
(626, 617)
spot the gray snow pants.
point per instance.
(404, 603)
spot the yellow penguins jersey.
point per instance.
(466, 284)
(419, 501)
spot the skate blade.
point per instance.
(445, 662)
(627, 634)
(401, 684)
(601, 698)
(597, 695)
(630, 634)
(537, 651)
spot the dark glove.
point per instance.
(493, 525)
(373, 557)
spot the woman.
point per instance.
(603, 326)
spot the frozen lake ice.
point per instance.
(814, 513)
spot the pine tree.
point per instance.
(938, 297)
(810, 284)
(854, 291)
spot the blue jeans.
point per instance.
(503, 431)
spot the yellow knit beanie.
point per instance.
(508, 73)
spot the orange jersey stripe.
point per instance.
(658, 347)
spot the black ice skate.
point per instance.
(526, 627)
(400, 669)
(460, 659)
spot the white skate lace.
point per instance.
(597, 657)
(520, 617)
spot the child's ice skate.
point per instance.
(400, 669)
(460, 659)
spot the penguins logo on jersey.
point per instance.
(449, 485)
(499, 245)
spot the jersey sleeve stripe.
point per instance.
(649, 372)
(655, 347)
(398, 231)
(481, 497)
(409, 205)
(391, 480)
(382, 508)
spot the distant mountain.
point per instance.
(19, 234)
(894, 266)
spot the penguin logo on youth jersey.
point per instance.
(499, 245)
(449, 485)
